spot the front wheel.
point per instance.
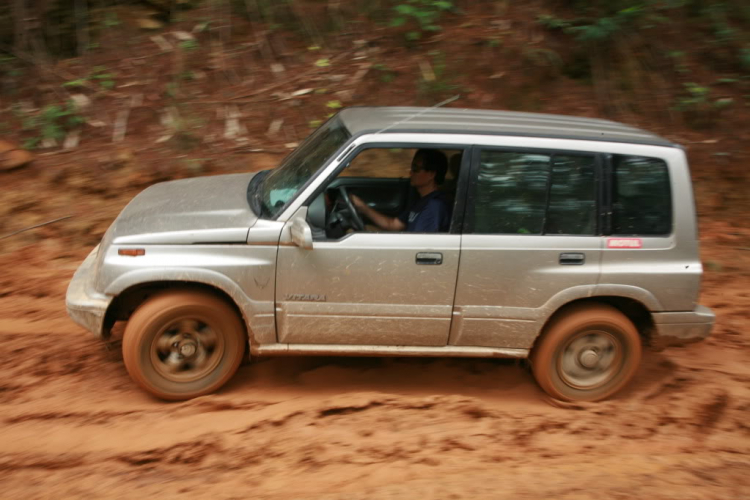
(179, 345)
(588, 353)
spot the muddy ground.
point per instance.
(74, 425)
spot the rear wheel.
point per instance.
(179, 345)
(588, 353)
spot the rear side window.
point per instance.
(531, 193)
(641, 196)
(572, 196)
(511, 193)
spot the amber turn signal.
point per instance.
(131, 252)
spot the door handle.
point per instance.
(572, 259)
(429, 258)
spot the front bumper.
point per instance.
(679, 328)
(85, 305)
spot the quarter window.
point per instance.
(531, 193)
(641, 198)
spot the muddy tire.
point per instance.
(179, 345)
(588, 353)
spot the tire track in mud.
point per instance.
(316, 441)
(71, 421)
(369, 429)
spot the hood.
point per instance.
(199, 210)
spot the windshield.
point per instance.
(282, 184)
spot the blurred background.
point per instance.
(101, 98)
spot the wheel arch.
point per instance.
(129, 299)
(633, 309)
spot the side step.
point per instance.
(376, 350)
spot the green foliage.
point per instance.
(678, 58)
(53, 121)
(699, 107)
(744, 57)
(597, 30)
(9, 66)
(171, 89)
(600, 30)
(494, 42)
(78, 82)
(323, 63)
(98, 75)
(716, 12)
(441, 84)
(424, 13)
(31, 143)
(385, 74)
(111, 20)
(602, 21)
(552, 22)
(189, 45)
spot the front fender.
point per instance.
(258, 315)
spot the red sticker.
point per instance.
(624, 243)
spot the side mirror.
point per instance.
(301, 234)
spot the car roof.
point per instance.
(360, 120)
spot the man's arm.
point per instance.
(380, 220)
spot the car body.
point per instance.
(553, 216)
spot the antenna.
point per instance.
(447, 101)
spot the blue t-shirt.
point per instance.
(430, 214)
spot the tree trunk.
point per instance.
(21, 34)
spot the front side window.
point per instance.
(641, 197)
(533, 193)
(408, 189)
(282, 184)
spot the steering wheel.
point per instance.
(354, 217)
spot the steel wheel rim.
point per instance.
(590, 359)
(187, 349)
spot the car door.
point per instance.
(531, 232)
(367, 288)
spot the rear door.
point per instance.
(530, 233)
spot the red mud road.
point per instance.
(73, 425)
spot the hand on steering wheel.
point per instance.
(354, 215)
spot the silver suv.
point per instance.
(570, 241)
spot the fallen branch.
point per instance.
(34, 227)
(288, 80)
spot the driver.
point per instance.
(430, 213)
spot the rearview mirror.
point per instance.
(301, 234)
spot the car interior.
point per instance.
(381, 178)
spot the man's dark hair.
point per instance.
(434, 161)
